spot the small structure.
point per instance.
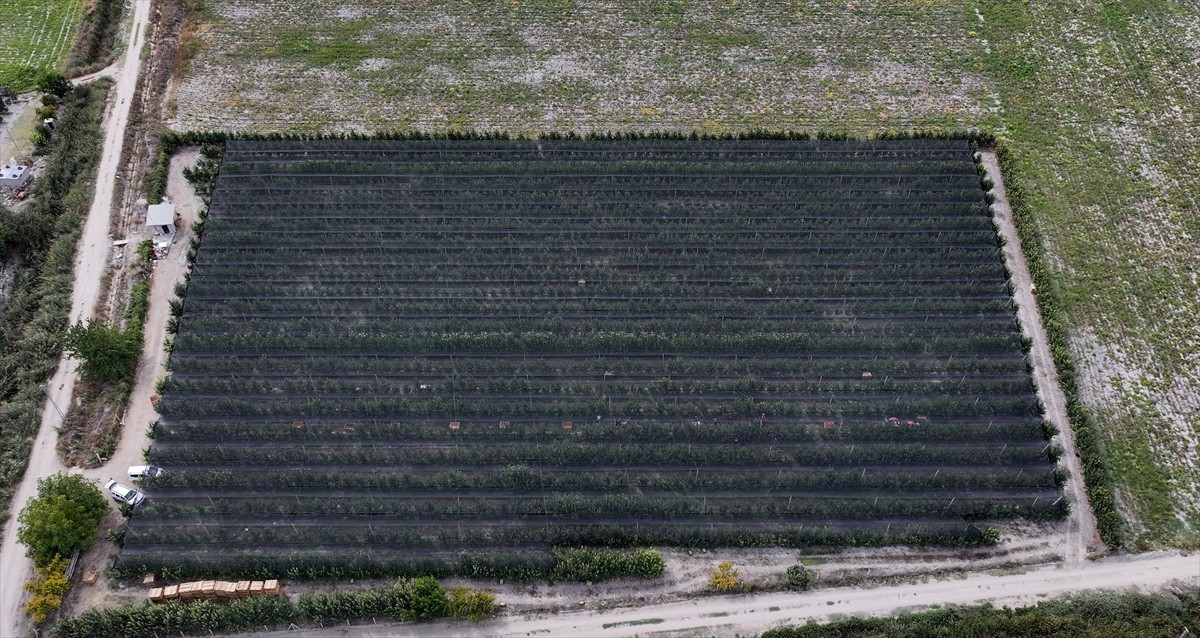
(160, 221)
(14, 175)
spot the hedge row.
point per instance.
(1088, 441)
(1096, 615)
(420, 600)
(581, 564)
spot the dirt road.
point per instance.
(1081, 536)
(94, 251)
(750, 615)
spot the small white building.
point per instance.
(160, 221)
(14, 175)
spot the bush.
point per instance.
(471, 604)
(725, 578)
(798, 577)
(62, 518)
(54, 83)
(47, 589)
(421, 599)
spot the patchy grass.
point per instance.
(1097, 101)
(550, 65)
(1100, 102)
(35, 35)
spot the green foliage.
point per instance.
(1106, 615)
(54, 83)
(585, 564)
(798, 576)
(418, 599)
(725, 578)
(47, 588)
(471, 604)
(145, 251)
(35, 318)
(421, 599)
(149, 621)
(203, 176)
(63, 517)
(109, 354)
(139, 303)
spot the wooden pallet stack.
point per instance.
(215, 590)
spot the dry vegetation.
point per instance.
(1098, 100)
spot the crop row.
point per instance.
(796, 343)
(616, 389)
(615, 164)
(743, 429)
(319, 325)
(486, 561)
(371, 251)
(762, 272)
(381, 193)
(747, 209)
(522, 479)
(400, 512)
(723, 225)
(997, 302)
(585, 365)
(570, 454)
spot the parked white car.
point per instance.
(139, 472)
(125, 494)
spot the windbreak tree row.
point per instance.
(396, 355)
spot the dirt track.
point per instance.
(95, 248)
(752, 614)
(1081, 536)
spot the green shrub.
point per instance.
(798, 577)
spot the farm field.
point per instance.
(1097, 101)
(435, 347)
(35, 35)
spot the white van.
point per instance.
(139, 472)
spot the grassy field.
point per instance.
(35, 35)
(1097, 99)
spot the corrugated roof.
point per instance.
(160, 215)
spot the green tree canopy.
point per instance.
(63, 517)
(109, 354)
(54, 83)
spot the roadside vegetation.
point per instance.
(44, 237)
(95, 46)
(63, 518)
(1094, 615)
(413, 600)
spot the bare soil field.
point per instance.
(1098, 103)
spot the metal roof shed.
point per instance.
(160, 219)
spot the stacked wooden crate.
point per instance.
(215, 590)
